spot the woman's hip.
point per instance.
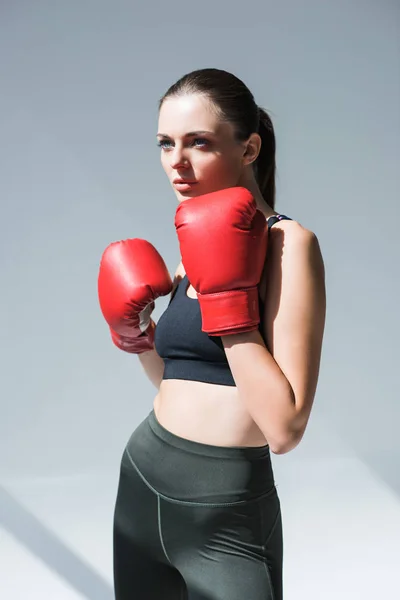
(185, 470)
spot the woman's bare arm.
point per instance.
(153, 366)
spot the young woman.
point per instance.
(235, 357)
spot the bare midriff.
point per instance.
(206, 413)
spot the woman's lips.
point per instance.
(182, 185)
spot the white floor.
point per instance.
(341, 527)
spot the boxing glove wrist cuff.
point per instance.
(138, 344)
(235, 311)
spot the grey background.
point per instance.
(79, 168)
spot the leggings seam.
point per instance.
(272, 529)
(158, 506)
(264, 546)
(191, 503)
(269, 579)
(160, 529)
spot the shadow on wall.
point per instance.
(41, 542)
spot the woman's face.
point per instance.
(198, 151)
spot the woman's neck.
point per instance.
(251, 185)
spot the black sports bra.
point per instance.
(187, 351)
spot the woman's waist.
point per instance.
(208, 413)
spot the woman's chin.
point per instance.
(181, 196)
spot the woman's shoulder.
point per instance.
(287, 225)
(287, 238)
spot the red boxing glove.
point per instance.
(223, 243)
(132, 275)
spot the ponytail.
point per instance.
(265, 163)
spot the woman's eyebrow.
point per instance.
(189, 134)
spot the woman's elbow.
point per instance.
(286, 444)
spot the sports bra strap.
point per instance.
(275, 218)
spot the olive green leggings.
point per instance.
(194, 521)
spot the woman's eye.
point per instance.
(163, 143)
(200, 141)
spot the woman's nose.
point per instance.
(178, 159)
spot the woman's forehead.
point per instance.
(185, 115)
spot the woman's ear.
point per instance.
(252, 149)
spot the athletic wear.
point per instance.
(195, 521)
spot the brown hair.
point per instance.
(235, 103)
